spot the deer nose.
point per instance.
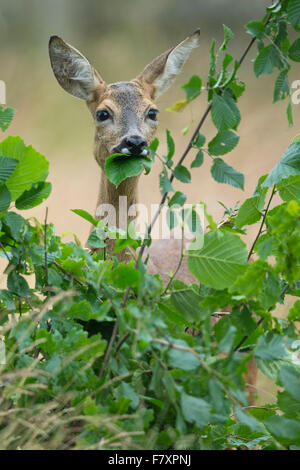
(135, 144)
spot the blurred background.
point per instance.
(119, 38)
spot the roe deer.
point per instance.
(125, 117)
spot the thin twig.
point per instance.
(45, 248)
(121, 342)
(179, 264)
(283, 292)
(109, 348)
(20, 299)
(262, 223)
(74, 278)
(70, 275)
(4, 251)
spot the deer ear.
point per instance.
(162, 71)
(72, 70)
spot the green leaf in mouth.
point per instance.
(119, 167)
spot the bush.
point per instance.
(96, 354)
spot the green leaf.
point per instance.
(170, 144)
(95, 241)
(83, 311)
(32, 166)
(287, 431)
(288, 404)
(182, 174)
(256, 28)
(195, 410)
(249, 212)
(172, 219)
(34, 196)
(153, 148)
(224, 173)
(127, 391)
(120, 167)
(6, 117)
(178, 199)
(197, 162)
(73, 266)
(222, 258)
(164, 182)
(294, 313)
(85, 215)
(289, 114)
(218, 397)
(289, 189)
(225, 113)
(15, 222)
(228, 35)
(17, 284)
(227, 342)
(294, 51)
(288, 165)
(282, 87)
(267, 58)
(7, 167)
(293, 11)
(212, 60)
(8, 299)
(48, 344)
(264, 246)
(290, 378)
(247, 420)
(182, 359)
(259, 282)
(237, 87)
(193, 87)
(296, 139)
(125, 275)
(223, 142)
(187, 303)
(270, 348)
(5, 198)
(178, 107)
(199, 141)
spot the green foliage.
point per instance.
(192, 90)
(34, 196)
(220, 261)
(224, 173)
(223, 142)
(157, 387)
(6, 117)
(224, 112)
(288, 165)
(118, 167)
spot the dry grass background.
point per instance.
(120, 38)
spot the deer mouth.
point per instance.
(131, 153)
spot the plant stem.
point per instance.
(283, 292)
(179, 264)
(109, 348)
(262, 223)
(4, 251)
(45, 248)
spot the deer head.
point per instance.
(124, 113)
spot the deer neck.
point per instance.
(120, 198)
(113, 203)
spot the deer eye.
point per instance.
(152, 114)
(102, 115)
